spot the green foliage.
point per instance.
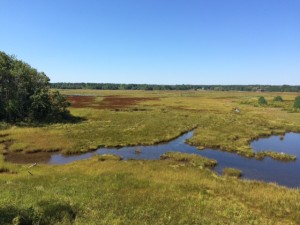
(278, 99)
(25, 93)
(297, 102)
(262, 100)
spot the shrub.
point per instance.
(262, 101)
(278, 99)
(297, 102)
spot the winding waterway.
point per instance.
(269, 170)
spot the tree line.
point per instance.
(112, 86)
(25, 94)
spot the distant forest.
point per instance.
(110, 86)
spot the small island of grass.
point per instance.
(232, 172)
(191, 159)
(275, 155)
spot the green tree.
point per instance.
(262, 100)
(278, 99)
(297, 102)
(25, 93)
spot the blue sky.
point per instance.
(156, 41)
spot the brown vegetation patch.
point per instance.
(23, 158)
(109, 102)
(81, 101)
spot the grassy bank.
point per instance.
(140, 192)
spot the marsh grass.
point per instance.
(191, 159)
(105, 157)
(44, 212)
(275, 155)
(141, 192)
(4, 170)
(232, 172)
(179, 190)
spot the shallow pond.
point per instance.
(269, 170)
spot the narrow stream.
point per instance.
(269, 170)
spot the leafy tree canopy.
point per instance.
(25, 94)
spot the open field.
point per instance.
(171, 191)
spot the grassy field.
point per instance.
(110, 191)
(177, 190)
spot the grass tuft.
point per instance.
(105, 157)
(4, 170)
(191, 159)
(232, 172)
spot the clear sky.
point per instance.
(156, 41)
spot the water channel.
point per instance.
(268, 170)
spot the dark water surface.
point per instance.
(269, 170)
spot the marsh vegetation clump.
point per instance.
(275, 155)
(232, 172)
(191, 159)
(4, 170)
(105, 157)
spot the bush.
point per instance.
(297, 102)
(278, 99)
(262, 101)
